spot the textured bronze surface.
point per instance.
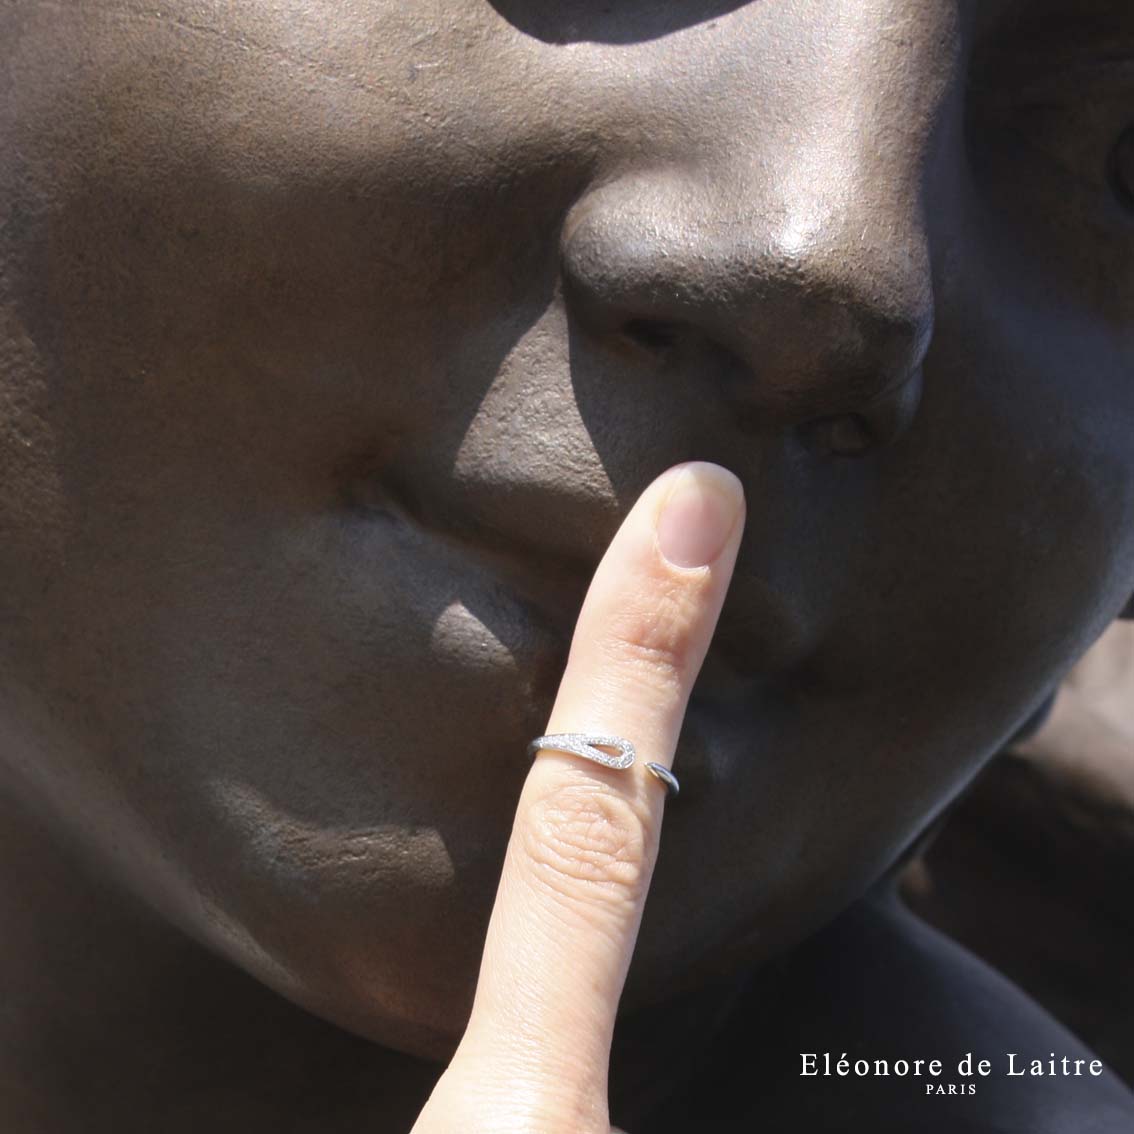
(336, 339)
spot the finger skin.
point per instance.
(585, 838)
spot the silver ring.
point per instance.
(666, 777)
(591, 748)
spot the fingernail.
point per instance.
(699, 514)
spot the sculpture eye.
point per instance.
(1122, 168)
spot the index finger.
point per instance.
(585, 837)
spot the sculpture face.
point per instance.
(339, 338)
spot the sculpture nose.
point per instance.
(808, 307)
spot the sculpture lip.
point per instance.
(758, 634)
(552, 584)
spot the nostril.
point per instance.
(656, 335)
(845, 435)
(879, 421)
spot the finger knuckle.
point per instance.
(654, 640)
(589, 841)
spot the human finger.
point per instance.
(585, 837)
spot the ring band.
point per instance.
(666, 777)
(591, 747)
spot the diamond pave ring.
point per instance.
(591, 748)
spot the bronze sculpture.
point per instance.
(339, 338)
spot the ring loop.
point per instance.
(590, 747)
(582, 744)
